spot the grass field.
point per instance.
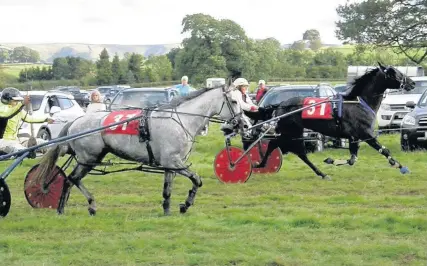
(14, 69)
(369, 214)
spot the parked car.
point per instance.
(145, 97)
(83, 99)
(268, 87)
(142, 97)
(314, 141)
(340, 88)
(413, 130)
(59, 105)
(393, 107)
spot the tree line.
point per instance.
(221, 48)
(20, 54)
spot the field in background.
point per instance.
(14, 69)
(369, 214)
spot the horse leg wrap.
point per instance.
(352, 160)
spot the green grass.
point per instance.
(369, 214)
(14, 69)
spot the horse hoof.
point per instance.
(59, 212)
(328, 161)
(92, 212)
(404, 170)
(182, 208)
(167, 213)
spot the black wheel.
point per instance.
(5, 198)
(44, 134)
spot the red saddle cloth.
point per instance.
(130, 128)
(321, 111)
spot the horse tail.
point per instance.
(50, 158)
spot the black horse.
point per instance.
(352, 117)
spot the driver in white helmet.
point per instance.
(239, 93)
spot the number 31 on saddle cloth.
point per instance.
(130, 128)
(321, 111)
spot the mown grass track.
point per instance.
(369, 214)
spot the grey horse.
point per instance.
(172, 128)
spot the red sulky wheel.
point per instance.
(274, 162)
(38, 197)
(238, 173)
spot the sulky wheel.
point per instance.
(238, 173)
(5, 198)
(37, 196)
(274, 162)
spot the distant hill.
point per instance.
(49, 51)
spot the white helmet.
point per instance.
(240, 82)
(261, 81)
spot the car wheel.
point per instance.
(44, 134)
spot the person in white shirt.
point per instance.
(96, 104)
(239, 93)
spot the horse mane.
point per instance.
(356, 87)
(181, 99)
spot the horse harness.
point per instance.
(144, 132)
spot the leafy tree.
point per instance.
(311, 35)
(400, 24)
(104, 73)
(130, 77)
(134, 66)
(315, 44)
(24, 54)
(298, 45)
(118, 71)
(157, 68)
(60, 68)
(4, 55)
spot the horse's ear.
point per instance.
(381, 66)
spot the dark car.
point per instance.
(268, 87)
(314, 141)
(413, 131)
(142, 97)
(83, 99)
(108, 92)
(341, 88)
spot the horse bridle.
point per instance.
(233, 120)
(402, 81)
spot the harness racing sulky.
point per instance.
(351, 115)
(158, 139)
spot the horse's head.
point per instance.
(396, 79)
(230, 108)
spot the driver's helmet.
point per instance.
(240, 82)
(10, 94)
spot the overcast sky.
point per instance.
(158, 21)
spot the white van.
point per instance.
(393, 107)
